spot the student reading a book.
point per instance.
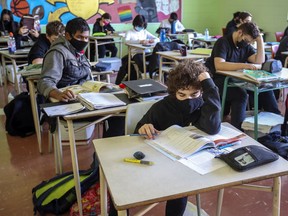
(193, 99)
(234, 52)
(65, 64)
(25, 36)
(103, 25)
(7, 23)
(42, 45)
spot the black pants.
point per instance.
(102, 50)
(138, 59)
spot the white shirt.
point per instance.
(178, 25)
(134, 37)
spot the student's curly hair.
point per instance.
(250, 28)
(185, 75)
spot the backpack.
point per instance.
(19, 118)
(58, 194)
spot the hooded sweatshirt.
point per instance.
(63, 66)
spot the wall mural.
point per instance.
(122, 11)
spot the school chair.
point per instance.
(274, 49)
(279, 36)
(286, 62)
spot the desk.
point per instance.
(252, 85)
(142, 50)
(176, 57)
(133, 185)
(5, 58)
(204, 40)
(115, 38)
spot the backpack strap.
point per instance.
(284, 125)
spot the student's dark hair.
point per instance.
(139, 20)
(55, 28)
(285, 32)
(106, 16)
(243, 15)
(76, 24)
(185, 75)
(174, 16)
(9, 13)
(236, 14)
(250, 29)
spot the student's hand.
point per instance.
(143, 42)
(64, 96)
(23, 30)
(108, 32)
(204, 75)
(34, 33)
(151, 41)
(252, 66)
(149, 130)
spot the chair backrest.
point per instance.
(279, 36)
(223, 31)
(274, 49)
(134, 113)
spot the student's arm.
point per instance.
(209, 120)
(180, 27)
(259, 56)
(131, 37)
(37, 61)
(151, 38)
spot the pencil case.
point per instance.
(248, 157)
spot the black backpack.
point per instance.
(58, 194)
(19, 118)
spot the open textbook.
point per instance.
(177, 142)
(92, 86)
(260, 75)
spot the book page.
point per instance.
(177, 142)
(96, 86)
(65, 109)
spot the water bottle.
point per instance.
(11, 44)
(206, 33)
(173, 27)
(162, 35)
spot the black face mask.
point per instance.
(6, 22)
(241, 44)
(189, 105)
(78, 45)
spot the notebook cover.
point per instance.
(145, 86)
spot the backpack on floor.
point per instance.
(19, 118)
(58, 194)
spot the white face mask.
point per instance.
(138, 28)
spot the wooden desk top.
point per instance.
(134, 185)
(239, 75)
(14, 56)
(175, 55)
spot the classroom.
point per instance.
(27, 159)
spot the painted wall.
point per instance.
(271, 16)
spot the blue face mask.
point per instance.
(139, 28)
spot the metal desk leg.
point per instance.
(276, 196)
(160, 69)
(144, 64)
(16, 81)
(35, 112)
(58, 148)
(129, 62)
(4, 79)
(219, 202)
(75, 164)
(103, 193)
(224, 96)
(96, 51)
(256, 112)
(198, 203)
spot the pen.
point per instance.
(153, 134)
(131, 160)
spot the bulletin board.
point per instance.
(122, 11)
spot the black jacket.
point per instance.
(202, 112)
(39, 49)
(98, 28)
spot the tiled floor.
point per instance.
(22, 168)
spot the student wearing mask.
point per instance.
(193, 100)
(102, 25)
(37, 52)
(173, 20)
(140, 35)
(65, 64)
(24, 36)
(232, 24)
(7, 23)
(234, 52)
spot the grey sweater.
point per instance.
(62, 66)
